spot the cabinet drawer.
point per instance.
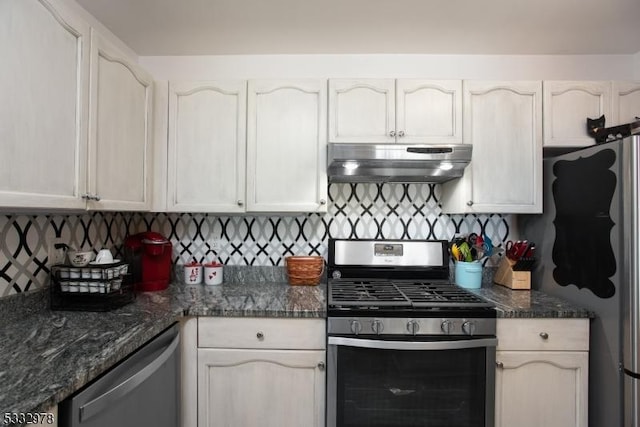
(261, 333)
(543, 334)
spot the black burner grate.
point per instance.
(401, 294)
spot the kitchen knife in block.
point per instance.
(513, 279)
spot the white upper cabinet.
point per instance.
(362, 110)
(286, 146)
(207, 146)
(410, 111)
(44, 82)
(503, 122)
(120, 130)
(626, 103)
(429, 111)
(567, 105)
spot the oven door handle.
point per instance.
(414, 345)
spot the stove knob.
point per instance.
(446, 326)
(377, 326)
(413, 327)
(356, 326)
(469, 327)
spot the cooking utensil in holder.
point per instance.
(92, 288)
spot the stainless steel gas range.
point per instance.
(405, 346)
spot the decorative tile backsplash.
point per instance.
(383, 211)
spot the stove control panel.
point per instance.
(410, 326)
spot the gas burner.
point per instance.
(373, 294)
(397, 279)
(366, 293)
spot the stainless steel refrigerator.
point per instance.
(588, 246)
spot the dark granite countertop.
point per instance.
(525, 304)
(48, 355)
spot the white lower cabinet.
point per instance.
(260, 372)
(260, 388)
(542, 372)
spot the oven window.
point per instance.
(410, 388)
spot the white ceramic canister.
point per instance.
(193, 273)
(213, 273)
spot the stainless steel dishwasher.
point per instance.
(143, 390)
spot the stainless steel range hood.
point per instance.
(396, 162)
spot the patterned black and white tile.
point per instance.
(383, 211)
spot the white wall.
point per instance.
(486, 67)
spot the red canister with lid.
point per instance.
(149, 257)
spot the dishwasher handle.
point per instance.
(116, 393)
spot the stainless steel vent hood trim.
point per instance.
(396, 162)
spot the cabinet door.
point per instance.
(286, 146)
(429, 111)
(207, 145)
(120, 130)
(260, 388)
(567, 105)
(541, 389)
(502, 120)
(362, 110)
(44, 82)
(626, 103)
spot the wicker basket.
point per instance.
(304, 270)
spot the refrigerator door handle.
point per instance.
(116, 393)
(632, 374)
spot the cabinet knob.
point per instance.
(401, 133)
(470, 203)
(500, 365)
(544, 335)
(392, 133)
(89, 196)
(321, 366)
(240, 203)
(260, 336)
(323, 202)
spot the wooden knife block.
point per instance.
(506, 276)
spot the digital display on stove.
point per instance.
(388, 249)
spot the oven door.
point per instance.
(435, 383)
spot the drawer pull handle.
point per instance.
(544, 335)
(260, 336)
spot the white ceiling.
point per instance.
(528, 27)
